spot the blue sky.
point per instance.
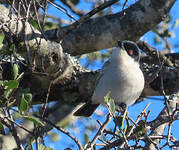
(155, 106)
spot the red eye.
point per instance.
(130, 52)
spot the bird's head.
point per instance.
(131, 48)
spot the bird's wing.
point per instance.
(86, 109)
(105, 65)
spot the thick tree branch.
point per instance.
(90, 35)
(80, 86)
(103, 32)
(62, 70)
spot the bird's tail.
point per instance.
(86, 110)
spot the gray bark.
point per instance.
(103, 32)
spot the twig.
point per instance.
(97, 9)
(20, 126)
(138, 118)
(158, 137)
(151, 142)
(100, 131)
(58, 19)
(169, 133)
(134, 124)
(38, 20)
(124, 4)
(36, 143)
(63, 131)
(117, 142)
(151, 51)
(61, 34)
(61, 9)
(162, 84)
(170, 126)
(165, 144)
(46, 100)
(132, 121)
(73, 8)
(25, 37)
(168, 46)
(111, 133)
(14, 132)
(125, 140)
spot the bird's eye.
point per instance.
(132, 52)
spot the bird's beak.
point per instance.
(119, 44)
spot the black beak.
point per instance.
(119, 44)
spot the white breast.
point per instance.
(122, 77)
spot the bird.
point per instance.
(121, 76)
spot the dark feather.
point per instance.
(86, 110)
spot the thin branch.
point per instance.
(125, 141)
(36, 144)
(73, 8)
(96, 10)
(63, 131)
(46, 100)
(67, 30)
(20, 126)
(58, 19)
(152, 52)
(100, 131)
(61, 9)
(125, 3)
(138, 118)
(14, 132)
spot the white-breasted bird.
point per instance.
(121, 76)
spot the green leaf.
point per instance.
(112, 106)
(110, 103)
(23, 104)
(7, 92)
(12, 47)
(28, 97)
(35, 120)
(141, 130)
(34, 24)
(25, 100)
(20, 76)
(106, 98)
(11, 103)
(49, 25)
(124, 117)
(1, 40)
(86, 138)
(11, 84)
(15, 70)
(2, 131)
